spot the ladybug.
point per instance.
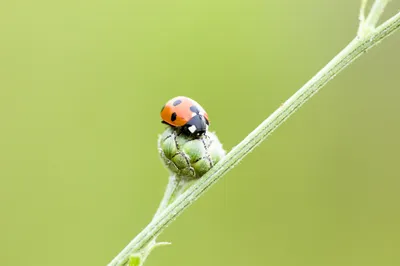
(186, 114)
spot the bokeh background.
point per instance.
(81, 87)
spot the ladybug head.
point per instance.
(196, 126)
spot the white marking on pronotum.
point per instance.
(194, 114)
(201, 113)
(192, 129)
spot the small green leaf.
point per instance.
(135, 260)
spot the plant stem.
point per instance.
(361, 17)
(375, 13)
(352, 51)
(169, 194)
(176, 186)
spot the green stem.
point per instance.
(352, 51)
(169, 194)
(376, 12)
(176, 186)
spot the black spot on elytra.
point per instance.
(176, 102)
(194, 109)
(173, 117)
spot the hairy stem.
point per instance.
(375, 13)
(169, 194)
(351, 52)
(176, 186)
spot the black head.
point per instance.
(196, 126)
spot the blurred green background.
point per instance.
(81, 87)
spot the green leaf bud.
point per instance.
(189, 157)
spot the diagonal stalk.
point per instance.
(376, 12)
(350, 53)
